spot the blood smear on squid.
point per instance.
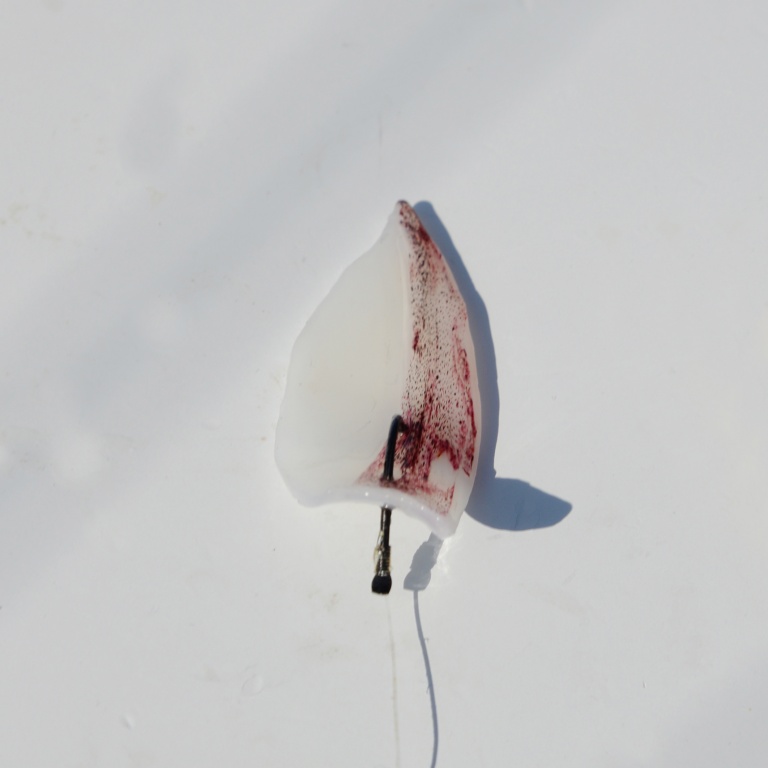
(391, 338)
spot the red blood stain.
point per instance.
(437, 408)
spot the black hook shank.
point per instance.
(382, 580)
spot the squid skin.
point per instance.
(391, 338)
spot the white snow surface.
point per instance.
(181, 185)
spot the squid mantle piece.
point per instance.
(391, 339)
